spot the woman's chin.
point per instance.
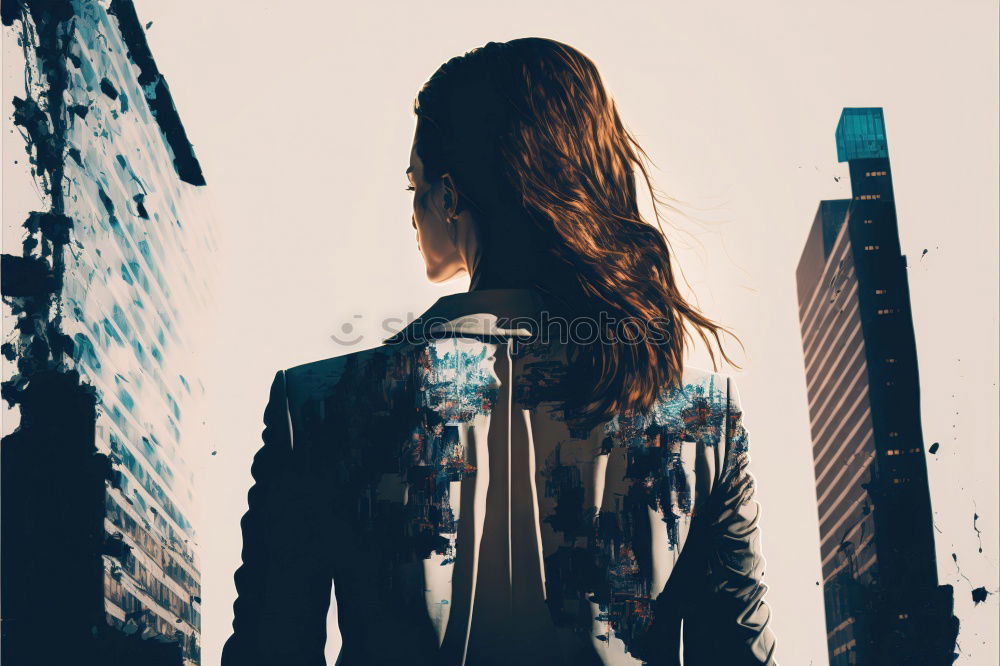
(440, 275)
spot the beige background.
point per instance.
(300, 113)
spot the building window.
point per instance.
(879, 292)
(890, 383)
(886, 311)
(844, 648)
(903, 616)
(874, 173)
(890, 360)
(871, 247)
(893, 434)
(867, 197)
(868, 221)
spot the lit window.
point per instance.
(890, 360)
(893, 434)
(903, 616)
(879, 292)
(868, 221)
(844, 648)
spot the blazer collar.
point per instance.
(487, 313)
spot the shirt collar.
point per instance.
(482, 313)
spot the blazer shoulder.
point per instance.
(706, 382)
(317, 378)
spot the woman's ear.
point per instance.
(450, 195)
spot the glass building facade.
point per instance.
(101, 458)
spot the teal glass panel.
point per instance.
(861, 135)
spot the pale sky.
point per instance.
(300, 113)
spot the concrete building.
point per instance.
(100, 560)
(883, 603)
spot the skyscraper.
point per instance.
(99, 562)
(883, 603)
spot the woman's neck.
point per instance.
(507, 254)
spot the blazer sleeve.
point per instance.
(283, 585)
(733, 627)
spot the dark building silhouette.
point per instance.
(883, 603)
(99, 563)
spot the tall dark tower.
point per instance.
(883, 602)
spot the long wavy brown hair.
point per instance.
(537, 150)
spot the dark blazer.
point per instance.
(436, 484)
